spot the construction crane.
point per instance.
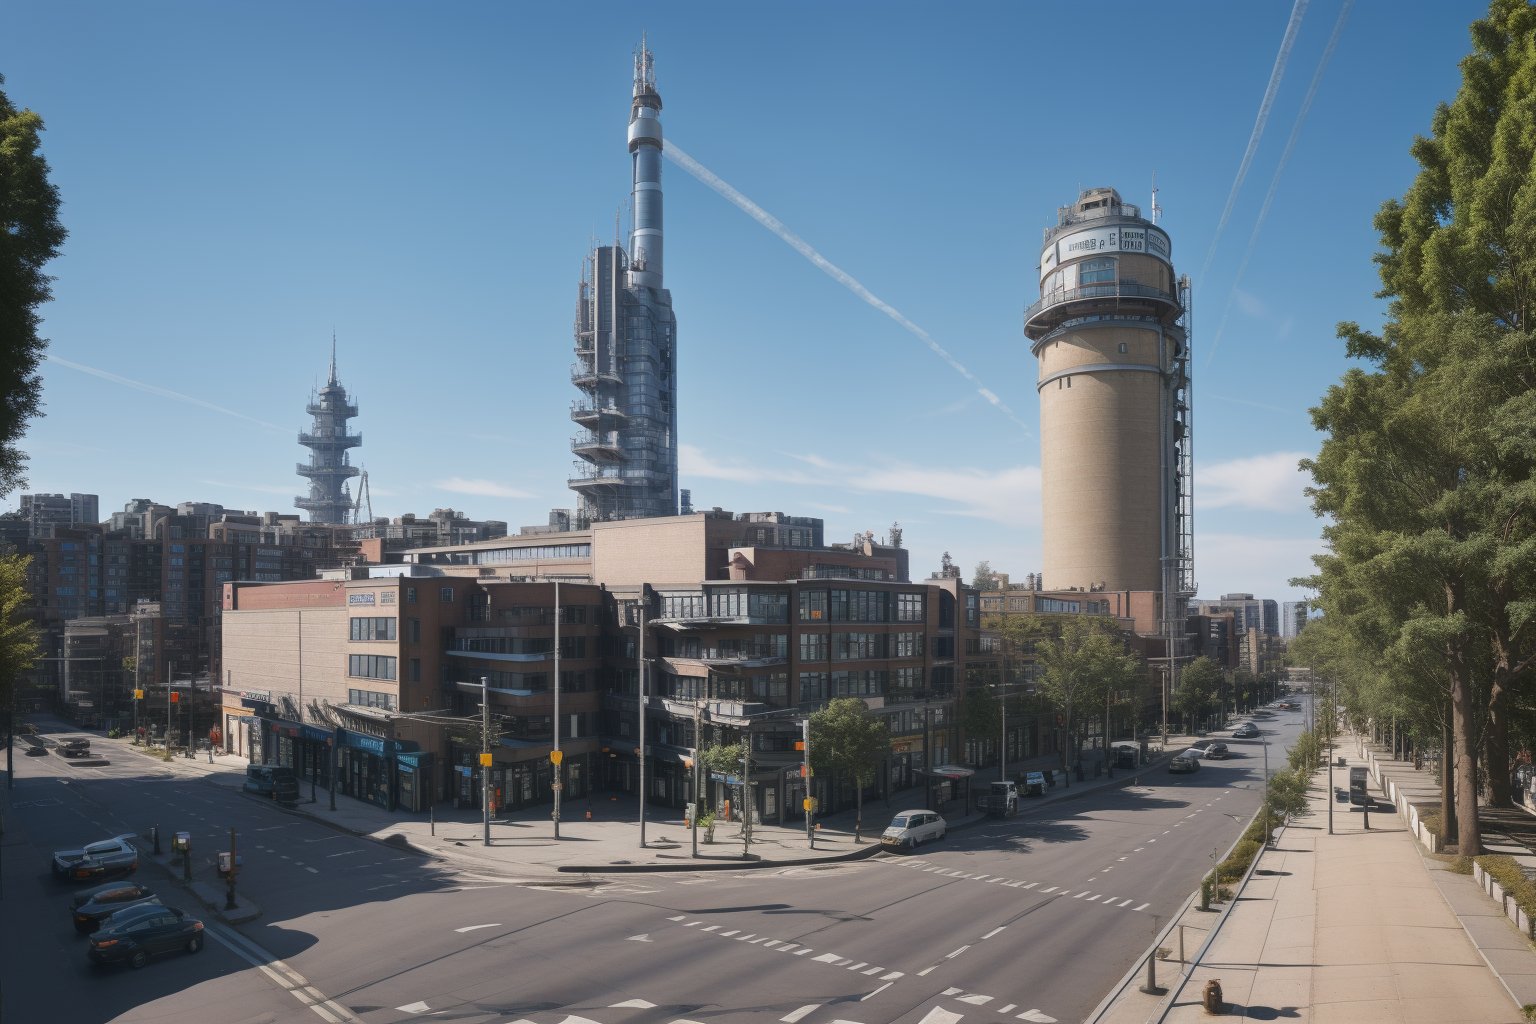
(364, 500)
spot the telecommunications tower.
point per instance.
(626, 347)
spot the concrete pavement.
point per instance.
(1355, 926)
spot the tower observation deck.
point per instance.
(626, 347)
(1111, 336)
(329, 467)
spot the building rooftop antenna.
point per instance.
(332, 381)
(1157, 211)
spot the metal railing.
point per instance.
(1110, 290)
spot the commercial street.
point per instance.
(1030, 918)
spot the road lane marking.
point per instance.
(993, 932)
(1144, 906)
(633, 1004)
(892, 976)
(957, 952)
(795, 1015)
(974, 999)
(477, 927)
(859, 966)
(1123, 904)
(1044, 891)
(876, 992)
(286, 978)
(827, 958)
(938, 1016)
(679, 917)
(872, 971)
(924, 972)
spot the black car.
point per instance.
(1216, 751)
(37, 750)
(93, 906)
(134, 935)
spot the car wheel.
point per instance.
(941, 834)
(139, 959)
(194, 944)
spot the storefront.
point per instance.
(413, 780)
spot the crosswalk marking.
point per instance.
(827, 958)
(795, 1015)
(975, 1000)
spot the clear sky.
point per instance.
(242, 179)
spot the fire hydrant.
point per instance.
(1211, 997)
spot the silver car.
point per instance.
(98, 860)
(910, 829)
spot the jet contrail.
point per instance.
(1274, 181)
(832, 270)
(162, 392)
(1276, 73)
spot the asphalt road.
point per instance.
(1032, 918)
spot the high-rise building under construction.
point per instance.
(626, 347)
(1111, 334)
(329, 467)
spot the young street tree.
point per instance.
(1426, 469)
(19, 646)
(1199, 685)
(1083, 664)
(849, 740)
(30, 236)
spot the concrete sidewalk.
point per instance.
(1351, 927)
(523, 846)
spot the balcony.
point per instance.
(588, 414)
(597, 446)
(598, 478)
(336, 440)
(304, 469)
(1096, 299)
(589, 377)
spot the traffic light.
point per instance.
(175, 698)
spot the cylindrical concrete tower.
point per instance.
(1109, 332)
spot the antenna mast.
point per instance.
(1157, 211)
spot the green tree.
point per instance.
(1083, 665)
(984, 578)
(19, 645)
(1426, 469)
(851, 741)
(1199, 684)
(30, 236)
(980, 716)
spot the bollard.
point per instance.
(1211, 997)
(154, 835)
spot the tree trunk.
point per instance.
(1469, 835)
(1448, 830)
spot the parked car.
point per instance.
(36, 750)
(134, 935)
(910, 829)
(105, 859)
(75, 746)
(93, 906)
(1217, 751)
(272, 780)
(1246, 731)
(1189, 761)
(1034, 784)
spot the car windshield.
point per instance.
(100, 848)
(900, 821)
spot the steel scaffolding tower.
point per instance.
(329, 467)
(626, 346)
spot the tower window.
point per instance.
(1122, 347)
(1096, 271)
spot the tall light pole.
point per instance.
(641, 748)
(556, 756)
(485, 761)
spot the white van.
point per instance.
(910, 829)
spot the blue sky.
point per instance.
(241, 179)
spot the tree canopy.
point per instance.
(1425, 473)
(30, 236)
(850, 740)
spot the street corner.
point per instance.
(216, 898)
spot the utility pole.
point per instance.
(641, 754)
(1002, 751)
(746, 793)
(810, 801)
(485, 760)
(556, 756)
(698, 744)
(167, 708)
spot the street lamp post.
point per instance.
(485, 761)
(556, 757)
(640, 751)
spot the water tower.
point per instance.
(1111, 334)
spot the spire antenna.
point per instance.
(1157, 211)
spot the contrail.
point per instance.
(1274, 182)
(1276, 73)
(832, 270)
(162, 392)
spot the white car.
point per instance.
(910, 829)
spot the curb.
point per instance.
(730, 865)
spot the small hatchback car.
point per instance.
(910, 829)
